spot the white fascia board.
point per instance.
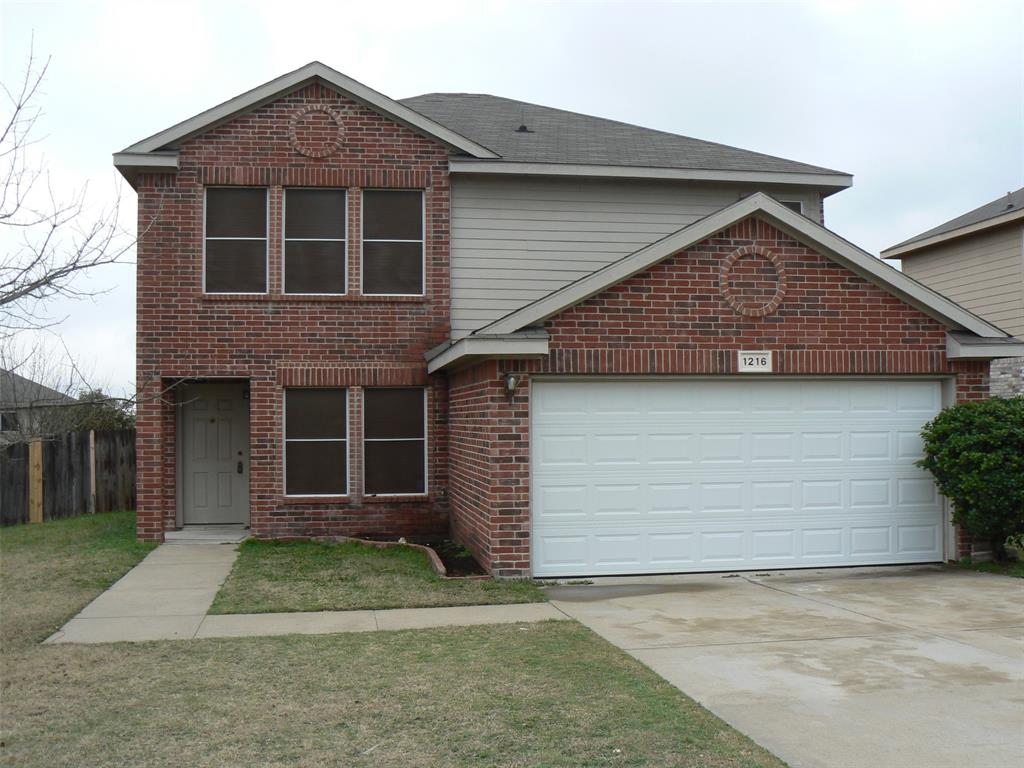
(292, 80)
(802, 228)
(456, 165)
(131, 164)
(978, 350)
(472, 348)
(898, 251)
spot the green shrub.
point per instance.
(975, 451)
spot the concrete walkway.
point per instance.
(168, 594)
(916, 667)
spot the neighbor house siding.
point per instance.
(516, 240)
(984, 273)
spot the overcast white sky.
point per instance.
(923, 102)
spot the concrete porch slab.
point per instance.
(208, 534)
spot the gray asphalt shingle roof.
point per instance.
(1011, 201)
(558, 136)
(18, 392)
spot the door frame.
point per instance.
(947, 398)
(179, 433)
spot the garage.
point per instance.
(634, 475)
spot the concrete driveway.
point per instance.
(875, 667)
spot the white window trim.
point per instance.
(426, 447)
(798, 202)
(285, 441)
(266, 248)
(285, 239)
(422, 241)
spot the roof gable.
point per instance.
(1003, 210)
(803, 229)
(159, 151)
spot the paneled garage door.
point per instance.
(640, 476)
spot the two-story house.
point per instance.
(977, 259)
(579, 346)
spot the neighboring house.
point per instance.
(29, 409)
(978, 261)
(580, 346)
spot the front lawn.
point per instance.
(51, 570)
(550, 694)
(274, 577)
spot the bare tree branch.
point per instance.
(50, 239)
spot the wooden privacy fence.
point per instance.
(74, 474)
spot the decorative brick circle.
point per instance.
(315, 131)
(753, 281)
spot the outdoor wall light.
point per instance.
(511, 382)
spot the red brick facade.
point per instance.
(276, 340)
(673, 319)
(750, 286)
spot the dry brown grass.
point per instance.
(550, 694)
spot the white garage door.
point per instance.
(703, 475)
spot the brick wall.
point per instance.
(673, 319)
(275, 340)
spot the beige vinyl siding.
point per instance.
(984, 273)
(514, 241)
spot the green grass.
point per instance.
(51, 570)
(549, 695)
(1012, 568)
(273, 577)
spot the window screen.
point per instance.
(395, 443)
(392, 242)
(315, 442)
(236, 240)
(794, 205)
(314, 241)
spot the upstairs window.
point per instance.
(315, 442)
(393, 243)
(794, 205)
(394, 441)
(235, 258)
(314, 241)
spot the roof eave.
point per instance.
(833, 182)
(131, 164)
(908, 247)
(962, 347)
(473, 349)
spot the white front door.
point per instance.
(642, 476)
(214, 453)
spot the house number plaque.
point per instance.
(754, 362)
